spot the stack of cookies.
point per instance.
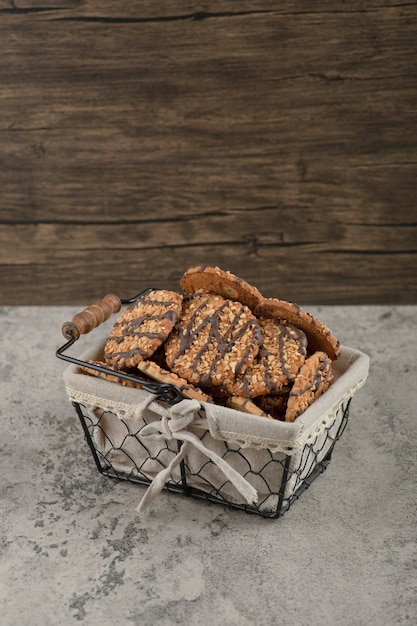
(219, 340)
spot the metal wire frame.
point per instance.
(166, 392)
(309, 468)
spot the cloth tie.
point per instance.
(173, 425)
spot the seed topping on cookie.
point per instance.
(282, 353)
(214, 340)
(313, 379)
(221, 341)
(161, 375)
(142, 328)
(246, 406)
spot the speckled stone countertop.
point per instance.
(73, 550)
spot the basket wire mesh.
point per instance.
(283, 477)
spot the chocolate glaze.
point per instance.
(130, 328)
(286, 331)
(319, 376)
(222, 343)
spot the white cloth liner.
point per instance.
(208, 430)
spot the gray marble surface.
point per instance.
(73, 550)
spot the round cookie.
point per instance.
(142, 328)
(282, 353)
(224, 283)
(213, 341)
(157, 373)
(313, 379)
(320, 338)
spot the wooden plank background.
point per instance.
(275, 139)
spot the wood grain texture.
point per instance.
(275, 141)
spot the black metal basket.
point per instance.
(283, 477)
(309, 466)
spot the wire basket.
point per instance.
(219, 455)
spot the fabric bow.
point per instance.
(173, 425)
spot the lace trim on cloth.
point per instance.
(244, 440)
(178, 422)
(120, 409)
(173, 424)
(289, 447)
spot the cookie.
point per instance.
(224, 283)
(313, 379)
(214, 340)
(108, 375)
(142, 328)
(282, 353)
(157, 373)
(246, 406)
(320, 338)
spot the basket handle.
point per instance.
(94, 315)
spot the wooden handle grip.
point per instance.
(92, 316)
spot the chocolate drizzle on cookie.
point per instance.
(314, 382)
(142, 328)
(311, 382)
(281, 354)
(221, 341)
(290, 335)
(215, 340)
